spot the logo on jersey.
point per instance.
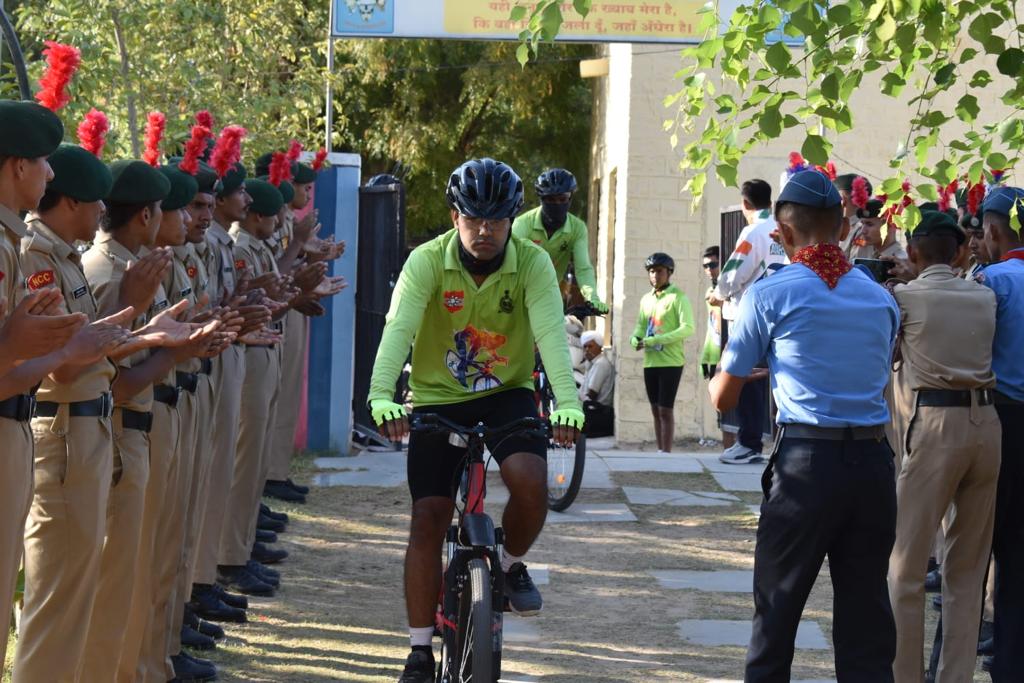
(538, 242)
(474, 357)
(454, 300)
(41, 279)
(192, 270)
(506, 305)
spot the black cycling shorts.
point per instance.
(435, 465)
(662, 385)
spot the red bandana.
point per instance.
(1015, 254)
(826, 260)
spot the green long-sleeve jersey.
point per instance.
(665, 320)
(568, 243)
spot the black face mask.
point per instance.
(553, 216)
(477, 267)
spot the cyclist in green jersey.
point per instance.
(562, 235)
(472, 303)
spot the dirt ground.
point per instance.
(339, 615)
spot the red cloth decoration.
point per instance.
(829, 169)
(280, 168)
(228, 149)
(61, 64)
(294, 150)
(318, 160)
(827, 261)
(204, 118)
(155, 124)
(859, 192)
(92, 131)
(975, 195)
(997, 175)
(1017, 254)
(194, 149)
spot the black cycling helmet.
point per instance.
(659, 259)
(485, 188)
(555, 181)
(383, 179)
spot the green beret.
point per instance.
(78, 174)
(263, 164)
(231, 181)
(928, 206)
(286, 189)
(844, 183)
(938, 223)
(266, 199)
(873, 209)
(302, 174)
(28, 130)
(136, 182)
(207, 179)
(183, 188)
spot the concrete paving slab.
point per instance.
(662, 463)
(588, 513)
(736, 680)
(363, 478)
(644, 496)
(738, 481)
(725, 581)
(712, 464)
(600, 443)
(715, 632)
(388, 460)
(518, 630)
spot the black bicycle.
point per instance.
(472, 601)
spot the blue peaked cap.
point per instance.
(1001, 199)
(810, 188)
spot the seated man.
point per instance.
(598, 390)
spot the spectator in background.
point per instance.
(850, 238)
(598, 390)
(712, 352)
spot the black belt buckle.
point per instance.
(189, 381)
(206, 366)
(20, 408)
(986, 397)
(106, 404)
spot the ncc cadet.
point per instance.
(830, 485)
(562, 235)
(1005, 277)
(870, 232)
(851, 243)
(943, 392)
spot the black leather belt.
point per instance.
(189, 381)
(134, 419)
(953, 398)
(277, 327)
(166, 394)
(97, 407)
(206, 366)
(799, 431)
(20, 407)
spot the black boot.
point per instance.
(263, 574)
(279, 516)
(189, 670)
(269, 524)
(240, 579)
(264, 536)
(304, 490)
(282, 491)
(195, 640)
(206, 604)
(231, 599)
(265, 555)
(207, 628)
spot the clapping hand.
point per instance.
(37, 327)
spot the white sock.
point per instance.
(421, 637)
(508, 560)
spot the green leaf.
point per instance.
(695, 186)
(968, 54)
(967, 108)
(816, 149)
(1011, 131)
(770, 122)
(778, 57)
(830, 87)
(523, 54)
(887, 29)
(976, 171)
(582, 7)
(944, 74)
(892, 84)
(928, 191)
(550, 21)
(980, 79)
(518, 13)
(1015, 221)
(673, 140)
(996, 161)
(994, 44)
(1010, 62)
(891, 186)
(726, 174)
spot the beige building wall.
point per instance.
(638, 207)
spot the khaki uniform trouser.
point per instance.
(74, 462)
(952, 458)
(16, 473)
(259, 393)
(121, 550)
(228, 375)
(289, 399)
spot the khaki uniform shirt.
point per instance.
(49, 261)
(195, 268)
(178, 285)
(105, 264)
(252, 254)
(283, 236)
(12, 278)
(220, 261)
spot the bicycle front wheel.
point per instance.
(565, 473)
(476, 620)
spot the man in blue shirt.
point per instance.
(1006, 278)
(830, 485)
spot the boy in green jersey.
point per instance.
(665, 320)
(472, 303)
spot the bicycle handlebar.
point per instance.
(584, 310)
(432, 423)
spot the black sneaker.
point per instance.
(264, 536)
(266, 555)
(282, 491)
(523, 596)
(243, 581)
(269, 524)
(419, 668)
(933, 582)
(279, 516)
(206, 604)
(207, 628)
(262, 573)
(195, 640)
(189, 670)
(304, 490)
(937, 602)
(231, 599)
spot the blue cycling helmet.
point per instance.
(555, 181)
(485, 188)
(660, 259)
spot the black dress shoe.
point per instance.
(279, 516)
(207, 628)
(261, 573)
(269, 524)
(189, 670)
(282, 491)
(195, 640)
(986, 647)
(241, 580)
(933, 582)
(937, 602)
(986, 664)
(206, 604)
(264, 536)
(304, 490)
(231, 599)
(266, 555)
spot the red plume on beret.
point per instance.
(155, 124)
(318, 160)
(92, 131)
(975, 195)
(228, 149)
(859, 192)
(194, 149)
(280, 168)
(61, 64)
(294, 150)
(205, 118)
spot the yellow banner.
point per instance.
(669, 20)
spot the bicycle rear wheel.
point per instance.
(475, 638)
(565, 473)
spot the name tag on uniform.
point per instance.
(80, 292)
(185, 292)
(161, 305)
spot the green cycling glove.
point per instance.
(568, 417)
(385, 411)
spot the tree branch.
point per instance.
(122, 49)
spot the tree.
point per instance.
(931, 49)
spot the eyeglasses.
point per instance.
(491, 223)
(710, 264)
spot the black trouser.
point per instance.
(1008, 548)
(600, 419)
(834, 499)
(750, 413)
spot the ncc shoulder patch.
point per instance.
(191, 270)
(240, 264)
(41, 279)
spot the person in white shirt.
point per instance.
(598, 390)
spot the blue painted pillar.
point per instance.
(331, 345)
